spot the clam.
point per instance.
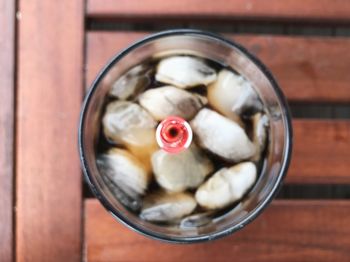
(222, 136)
(184, 72)
(125, 171)
(171, 101)
(178, 172)
(121, 117)
(260, 125)
(142, 144)
(167, 207)
(232, 95)
(226, 186)
(196, 220)
(132, 82)
(134, 203)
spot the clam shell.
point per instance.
(132, 82)
(142, 144)
(125, 171)
(122, 117)
(132, 203)
(260, 126)
(196, 220)
(178, 172)
(226, 186)
(184, 72)
(165, 207)
(232, 94)
(222, 136)
(171, 101)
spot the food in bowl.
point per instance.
(183, 139)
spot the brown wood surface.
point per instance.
(321, 152)
(7, 66)
(49, 205)
(297, 230)
(293, 10)
(307, 68)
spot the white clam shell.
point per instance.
(178, 172)
(171, 101)
(125, 170)
(132, 82)
(260, 132)
(184, 72)
(226, 186)
(197, 220)
(142, 144)
(122, 117)
(164, 207)
(134, 203)
(222, 136)
(231, 94)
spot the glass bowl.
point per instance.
(226, 52)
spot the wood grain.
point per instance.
(7, 66)
(292, 230)
(49, 97)
(272, 10)
(308, 69)
(321, 152)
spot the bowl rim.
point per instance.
(191, 239)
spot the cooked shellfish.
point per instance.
(171, 101)
(222, 136)
(177, 172)
(226, 186)
(165, 207)
(184, 72)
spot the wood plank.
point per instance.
(286, 231)
(48, 226)
(102, 46)
(7, 66)
(306, 68)
(321, 152)
(272, 10)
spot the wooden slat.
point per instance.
(102, 46)
(7, 63)
(48, 226)
(321, 152)
(308, 69)
(273, 10)
(286, 231)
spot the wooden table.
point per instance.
(51, 50)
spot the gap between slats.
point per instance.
(238, 27)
